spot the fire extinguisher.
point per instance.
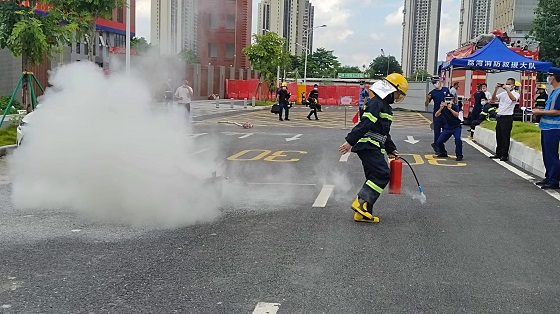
(396, 176)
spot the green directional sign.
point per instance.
(350, 75)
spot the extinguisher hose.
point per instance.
(413, 173)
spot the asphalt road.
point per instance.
(484, 242)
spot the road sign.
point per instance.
(350, 75)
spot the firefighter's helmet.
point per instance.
(284, 84)
(400, 83)
(517, 83)
(541, 86)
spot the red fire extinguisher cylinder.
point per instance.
(395, 182)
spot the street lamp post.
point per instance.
(383, 53)
(306, 32)
(127, 51)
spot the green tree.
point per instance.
(31, 36)
(322, 63)
(140, 45)
(188, 55)
(419, 75)
(266, 54)
(348, 69)
(85, 13)
(383, 65)
(546, 29)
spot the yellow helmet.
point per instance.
(541, 86)
(400, 83)
(284, 84)
(517, 84)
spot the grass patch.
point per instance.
(265, 102)
(8, 136)
(526, 133)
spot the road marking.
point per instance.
(344, 158)
(197, 135)
(427, 120)
(293, 138)
(502, 163)
(411, 140)
(200, 151)
(323, 197)
(246, 135)
(266, 308)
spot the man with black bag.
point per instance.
(283, 102)
(313, 100)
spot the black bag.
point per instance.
(275, 109)
(312, 103)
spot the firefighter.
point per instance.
(488, 114)
(541, 98)
(370, 139)
(313, 100)
(283, 101)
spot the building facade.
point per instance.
(174, 25)
(224, 29)
(291, 19)
(420, 42)
(476, 19)
(514, 16)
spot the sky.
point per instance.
(356, 30)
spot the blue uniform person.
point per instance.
(452, 126)
(370, 139)
(550, 132)
(437, 95)
(364, 97)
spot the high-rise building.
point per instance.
(291, 19)
(514, 16)
(420, 42)
(475, 19)
(169, 24)
(216, 30)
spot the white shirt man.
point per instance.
(184, 95)
(506, 104)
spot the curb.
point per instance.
(519, 154)
(5, 150)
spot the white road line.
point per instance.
(323, 197)
(344, 158)
(502, 163)
(266, 308)
(197, 135)
(525, 176)
(200, 151)
(246, 135)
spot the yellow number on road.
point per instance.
(263, 153)
(267, 155)
(433, 160)
(282, 153)
(417, 159)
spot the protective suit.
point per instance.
(370, 140)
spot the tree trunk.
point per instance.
(26, 97)
(91, 41)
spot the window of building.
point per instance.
(230, 51)
(78, 47)
(120, 17)
(212, 50)
(213, 20)
(230, 22)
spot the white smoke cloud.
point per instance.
(95, 146)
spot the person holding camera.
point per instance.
(506, 103)
(437, 95)
(449, 111)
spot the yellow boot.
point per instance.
(360, 207)
(360, 218)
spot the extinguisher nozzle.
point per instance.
(420, 189)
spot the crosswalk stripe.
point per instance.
(323, 196)
(344, 158)
(266, 308)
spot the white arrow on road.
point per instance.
(411, 140)
(293, 138)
